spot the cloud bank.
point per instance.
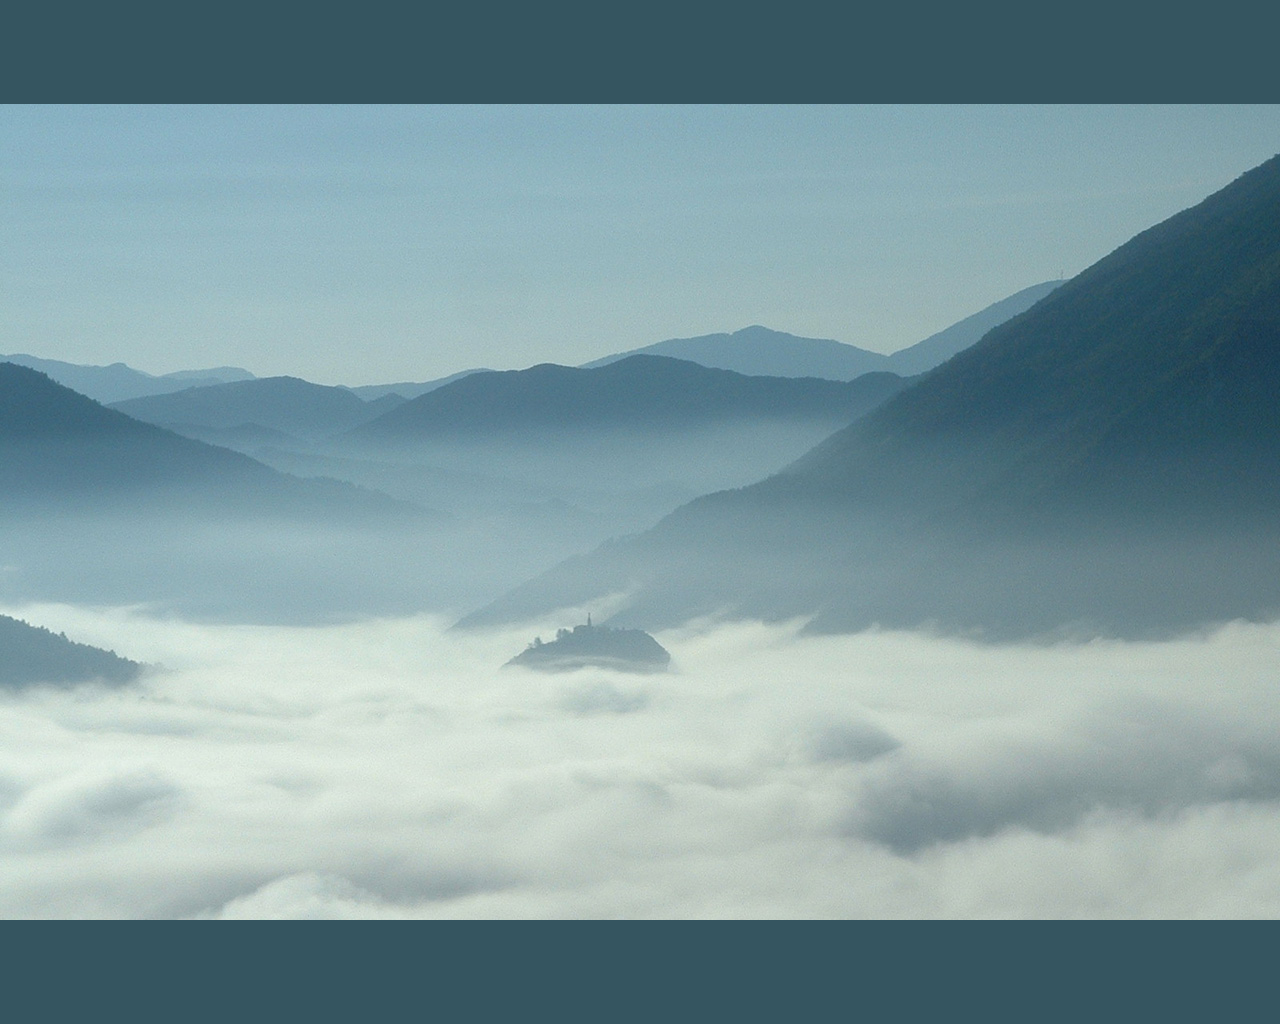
(392, 769)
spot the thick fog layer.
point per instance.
(393, 769)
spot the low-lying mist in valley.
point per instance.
(983, 627)
(580, 486)
(442, 528)
(279, 571)
(392, 768)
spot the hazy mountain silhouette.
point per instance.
(409, 389)
(938, 348)
(633, 439)
(541, 463)
(248, 438)
(96, 507)
(1107, 461)
(30, 655)
(760, 351)
(285, 405)
(639, 393)
(62, 451)
(118, 382)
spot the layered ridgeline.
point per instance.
(96, 507)
(31, 655)
(62, 452)
(262, 416)
(1108, 461)
(640, 424)
(270, 409)
(410, 389)
(642, 392)
(552, 426)
(118, 382)
(760, 351)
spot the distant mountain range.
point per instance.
(597, 451)
(281, 406)
(759, 351)
(1109, 461)
(646, 423)
(229, 405)
(62, 451)
(30, 655)
(118, 382)
(1106, 458)
(295, 407)
(409, 389)
(640, 393)
(97, 507)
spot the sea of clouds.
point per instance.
(394, 769)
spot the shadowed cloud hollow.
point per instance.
(393, 769)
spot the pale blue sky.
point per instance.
(363, 244)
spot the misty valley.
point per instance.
(985, 627)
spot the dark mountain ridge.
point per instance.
(760, 351)
(118, 381)
(1108, 460)
(31, 655)
(622, 445)
(410, 389)
(97, 507)
(640, 392)
(289, 405)
(61, 451)
(1157, 365)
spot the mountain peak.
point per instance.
(1108, 460)
(756, 350)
